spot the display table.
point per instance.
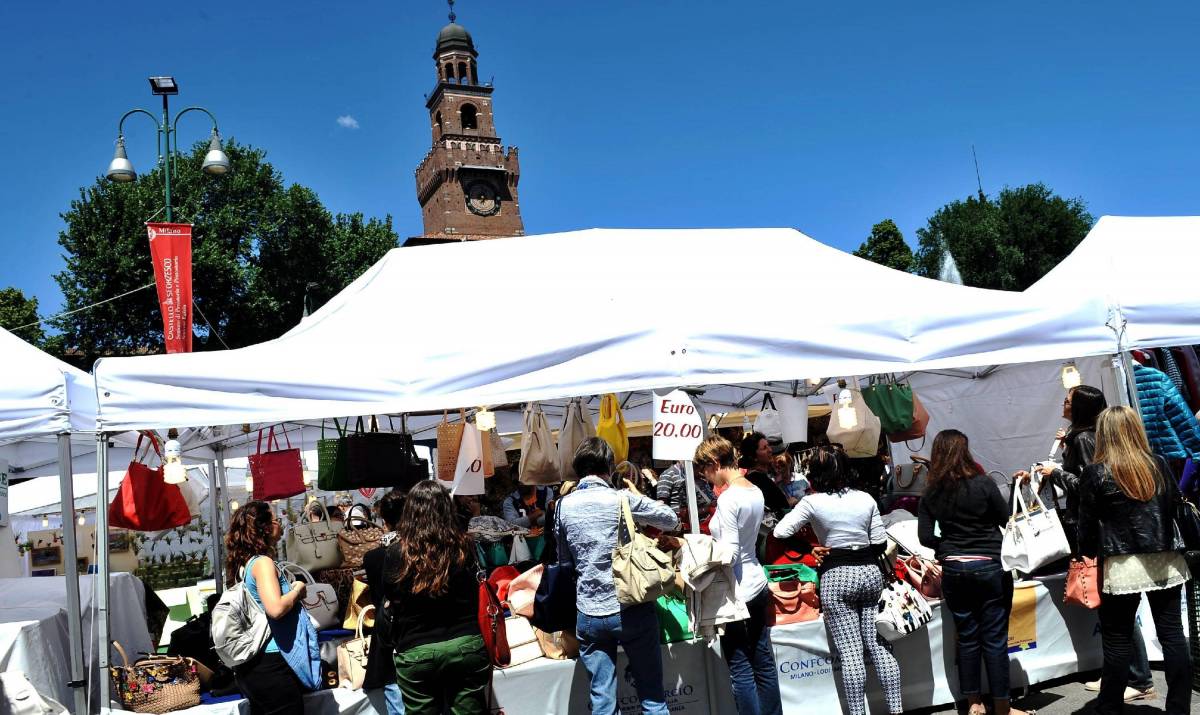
(35, 641)
(127, 607)
(324, 702)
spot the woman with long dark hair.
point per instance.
(274, 680)
(847, 522)
(429, 576)
(958, 518)
(757, 459)
(1127, 505)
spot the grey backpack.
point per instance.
(239, 626)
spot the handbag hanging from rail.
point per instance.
(539, 456)
(860, 439)
(383, 459)
(611, 427)
(449, 437)
(358, 536)
(331, 460)
(278, 473)
(144, 502)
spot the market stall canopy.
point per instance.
(40, 395)
(1144, 266)
(598, 311)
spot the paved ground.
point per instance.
(1066, 696)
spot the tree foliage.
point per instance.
(257, 246)
(886, 246)
(16, 311)
(1007, 242)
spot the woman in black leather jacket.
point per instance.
(1127, 503)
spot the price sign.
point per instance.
(678, 428)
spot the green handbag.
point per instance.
(331, 460)
(892, 403)
(672, 618)
(791, 572)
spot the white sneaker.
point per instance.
(1132, 694)
(1093, 686)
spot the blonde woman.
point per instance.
(1127, 503)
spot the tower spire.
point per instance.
(453, 17)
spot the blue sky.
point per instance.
(824, 117)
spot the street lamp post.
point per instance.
(121, 169)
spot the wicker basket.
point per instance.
(155, 684)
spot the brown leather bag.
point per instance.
(357, 537)
(1083, 583)
(159, 684)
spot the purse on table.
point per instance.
(673, 624)
(314, 545)
(155, 684)
(902, 610)
(523, 644)
(1083, 583)
(641, 571)
(358, 536)
(278, 473)
(352, 655)
(144, 502)
(793, 602)
(521, 591)
(925, 576)
(320, 599)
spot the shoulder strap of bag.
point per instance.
(627, 519)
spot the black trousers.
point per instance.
(1117, 621)
(270, 685)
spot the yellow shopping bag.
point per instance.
(611, 427)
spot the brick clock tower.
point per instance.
(467, 183)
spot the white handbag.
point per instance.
(314, 545)
(902, 610)
(539, 455)
(769, 422)
(520, 550)
(576, 428)
(1033, 537)
(320, 599)
(522, 641)
(19, 697)
(860, 439)
(352, 656)
(793, 414)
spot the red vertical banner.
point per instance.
(171, 251)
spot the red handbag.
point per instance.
(793, 602)
(500, 579)
(491, 624)
(144, 502)
(793, 550)
(278, 473)
(1083, 583)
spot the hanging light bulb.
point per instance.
(814, 381)
(309, 477)
(233, 505)
(485, 420)
(45, 522)
(173, 470)
(847, 417)
(1070, 376)
(249, 484)
(81, 520)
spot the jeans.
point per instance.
(979, 596)
(448, 676)
(636, 630)
(747, 648)
(386, 699)
(1139, 662)
(1118, 615)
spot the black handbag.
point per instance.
(554, 607)
(382, 459)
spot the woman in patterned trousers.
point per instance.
(848, 524)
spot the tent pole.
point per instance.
(78, 682)
(222, 525)
(690, 487)
(214, 515)
(102, 568)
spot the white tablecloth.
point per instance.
(34, 640)
(325, 702)
(127, 607)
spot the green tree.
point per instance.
(886, 246)
(1008, 242)
(257, 244)
(16, 311)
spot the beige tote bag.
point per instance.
(861, 439)
(539, 456)
(577, 427)
(641, 571)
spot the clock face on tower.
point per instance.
(482, 198)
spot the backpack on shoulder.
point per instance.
(239, 626)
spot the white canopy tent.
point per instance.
(418, 330)
(41, 397)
